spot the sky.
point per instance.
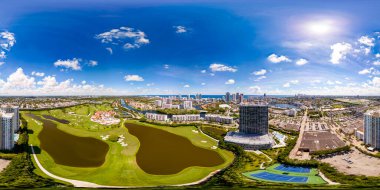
(277, 47)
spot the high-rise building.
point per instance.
(158, 103)
(240, 98)
(16, 115)
(372, 128)
(188, 104)
(254, 119)
(7, 123)
(228, 96)
(234, 97)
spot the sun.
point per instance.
(321, 27)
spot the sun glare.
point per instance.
(319, 27)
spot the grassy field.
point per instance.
(313, 178)
(120, 167)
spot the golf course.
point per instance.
(132, 153)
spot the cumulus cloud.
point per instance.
(72, 64)
(277, 59)
(203, 71)
(230, 81)
(19, 80)
(186, 86)
(2, 63)
(217, 67)
(38, 74)
(133, 78)
(130, 38)
(180, 29)
(203, 83)
(260, 72)
(339, 52)
(368, 41)
(301, 62)
(166, 66)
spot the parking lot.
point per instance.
(355, 163)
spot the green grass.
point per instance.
(313, 177)
(120, 167)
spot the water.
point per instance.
(284, 106)
(70, 150)
(164, 153)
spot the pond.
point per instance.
(70, 150)
(164, 153)
(63, 121)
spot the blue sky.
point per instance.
(170, 47)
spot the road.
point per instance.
(293, 153)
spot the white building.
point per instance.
(191, 117)
(291, 112)
(219, 118)
(16, 116)
(7, 123)
(156, 117)
(372, 128)
(158, 103)
(187, 104)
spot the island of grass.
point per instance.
(279, 173)
(120, 167)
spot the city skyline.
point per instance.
(176, 47)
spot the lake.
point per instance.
(164, 153)
(70, 150)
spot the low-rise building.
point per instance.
(190, 117)
(219, 118)
(156, 117)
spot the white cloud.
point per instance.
(2, 55)
(377, 63)
(2, 63)
(150, 84)
(371, 70)
(377, 55)
(166, 66)
(221, 68)
(203, 71)
(18, 80)
(254, 89)
(109, 50)
(130, 38)
(277, 59)
(92, 63)
(69, 64)
(260, 78)
(38, 74)
(230, 81)
(203, 83)
(288, 84)
(339, 52)
(302, 62)
(7, 40)
(212, 74)
(365, 40)
(84, 82)
(186, 86)
(260, 72)
(180, 29)
(376, 81)
(338, 82)
(329, 82)
(133, 78)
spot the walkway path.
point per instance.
(327, 179)
(293, 153)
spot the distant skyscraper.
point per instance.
(234, 97)
(372, 128)
(228, 96)
(240, 98)
(254, 119)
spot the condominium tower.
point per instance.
(254, 119)
(372, 128)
